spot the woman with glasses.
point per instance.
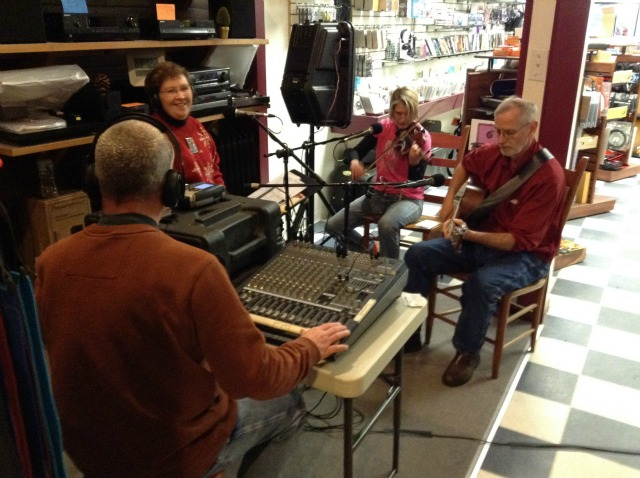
(170, 97)
(508, 249)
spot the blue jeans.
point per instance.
(259, 422)
(493, 273)
(396, 212)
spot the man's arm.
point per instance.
(460, 177)
(503, 241)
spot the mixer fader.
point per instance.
(306, 285)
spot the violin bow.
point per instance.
(401, 137)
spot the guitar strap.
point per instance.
(508, 188)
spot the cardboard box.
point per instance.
(52, 219)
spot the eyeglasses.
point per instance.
(175, 91)
(509, 133)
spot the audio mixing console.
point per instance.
(306, 285)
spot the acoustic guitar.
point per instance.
(471, 198)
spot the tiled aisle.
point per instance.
(582, 385)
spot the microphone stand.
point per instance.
(309, 147)
(285, 153)
(349, 187)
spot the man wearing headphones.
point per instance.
(151, 351)
(171, 97)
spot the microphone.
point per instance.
(375, 128)
(230, 112)
(435, 180)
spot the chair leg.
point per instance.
(501, 330)
(538, 314)
(365, 238)
(431, 308)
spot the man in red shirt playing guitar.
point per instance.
(508, 248)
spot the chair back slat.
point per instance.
(572, 179)
(448, 141)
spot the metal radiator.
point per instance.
(239, 149)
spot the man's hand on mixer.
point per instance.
(327, 337)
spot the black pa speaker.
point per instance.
(22, 22)
(318, 81)
(173, 186)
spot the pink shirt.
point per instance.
(392, 166)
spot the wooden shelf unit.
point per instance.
(493, 58)
(12, 150)
(607, 69)
(18, 179)
(478, 84)
(632, 168)
(59, 47)
(594, 203)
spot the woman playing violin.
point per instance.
(402, 151)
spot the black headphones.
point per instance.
(410, 44)
(173, 185)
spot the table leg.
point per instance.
(397, 410)
(348, 438)
(395, 380)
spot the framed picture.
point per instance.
(482, 132)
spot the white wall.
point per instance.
(277, 32)
(277, 20)
(539, 43)
(542, 17)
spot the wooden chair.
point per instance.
(528, 302)
(438, 141)
(448, 141)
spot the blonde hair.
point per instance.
(408, 97)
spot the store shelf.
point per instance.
(428, 109)
(632, 169)
(600, 204)
(20, 48)
(425, 58)
(13, 150)
(492, 58)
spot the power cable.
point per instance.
(515, 444)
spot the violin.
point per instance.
(414, 133)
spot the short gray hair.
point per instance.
(132, 158)
(528, 110)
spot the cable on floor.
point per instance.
(324, 418)
(515, 444)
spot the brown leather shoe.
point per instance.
(460, 370)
